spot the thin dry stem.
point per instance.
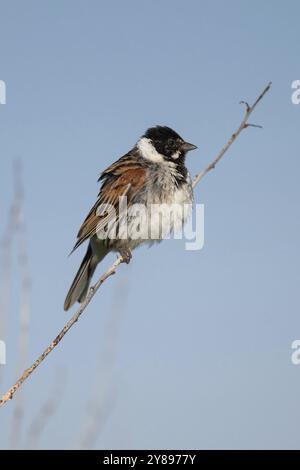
(10, 393)
(244, 124)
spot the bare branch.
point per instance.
(59, 337)
(244, 124)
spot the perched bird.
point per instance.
(152, 176)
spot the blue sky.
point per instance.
(182, 349)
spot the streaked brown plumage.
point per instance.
(153, 172)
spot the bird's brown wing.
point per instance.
(123, 178)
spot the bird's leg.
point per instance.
(126, 255)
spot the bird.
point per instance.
(151, 177)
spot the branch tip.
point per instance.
(246, 104)
(243, 125)
(258, 126)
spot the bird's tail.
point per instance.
(81, 283)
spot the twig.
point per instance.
(69, 324)
(244, 124)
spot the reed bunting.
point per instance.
(153, 176)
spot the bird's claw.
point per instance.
(126, 256)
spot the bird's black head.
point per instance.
(168, 143)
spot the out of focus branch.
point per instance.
(47, 410)
(103, 391)
(24, 301)
(6, 245)
(244, 124)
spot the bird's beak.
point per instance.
(186, 147)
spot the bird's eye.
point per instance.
(171, 144)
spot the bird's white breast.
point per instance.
(167, 208)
